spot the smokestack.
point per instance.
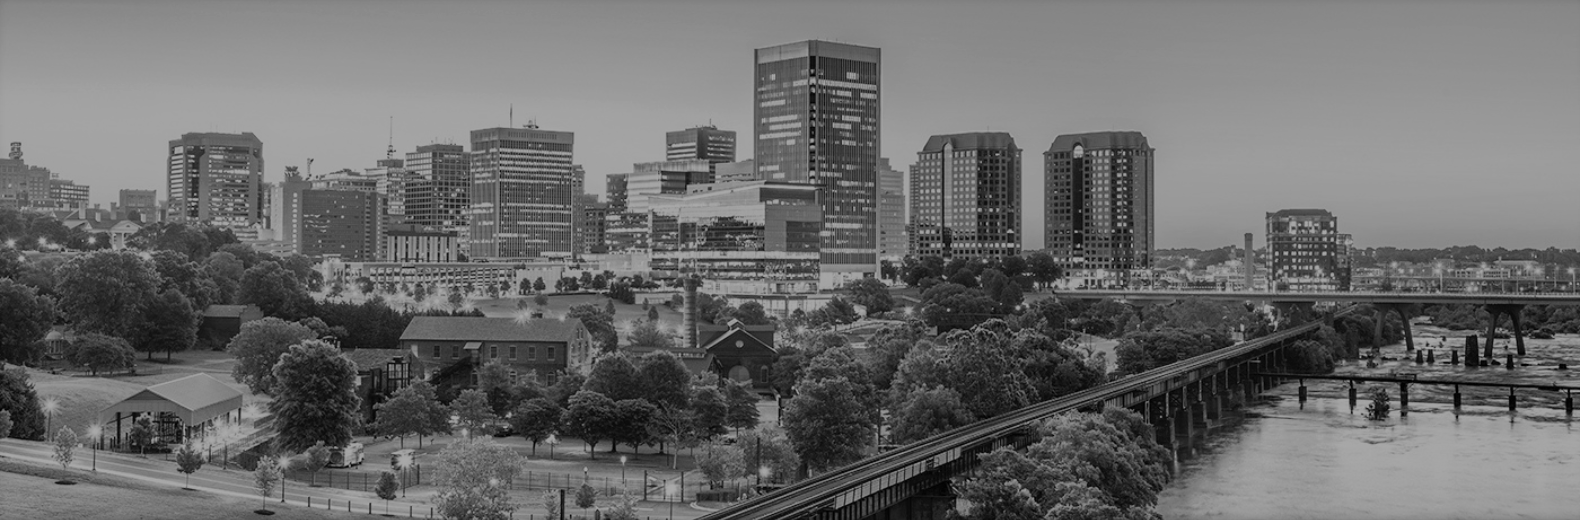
(1250, 265)
(690, 321)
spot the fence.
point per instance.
(355, 481)
(429, 512)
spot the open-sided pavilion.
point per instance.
(194, 401)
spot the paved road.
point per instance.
(236, 483)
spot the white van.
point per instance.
(348, 456)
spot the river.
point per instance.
(1282, 460)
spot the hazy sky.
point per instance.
(1420, 124)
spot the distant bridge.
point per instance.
(1389, 297)
(912, 482)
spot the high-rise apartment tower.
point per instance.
(965, 197)
(216, 179)
(1098, 199)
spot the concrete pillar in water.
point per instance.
(1430, 359)
(1409, 337)
(1511, 398)
(1302, 391)
(1457, 400)
(1508, 361)
(1519, 336)
(1404, 399)
(1453, 357)
(1492, 331)
(1569, 404)
(1352, 397)
(1472, 352)
(1419, 359)
(1199, 414)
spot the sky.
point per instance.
(1418, 123)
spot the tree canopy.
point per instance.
(25, 317)
(316, 399)
(105, 291)
(259, 346)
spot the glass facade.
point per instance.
(816, 114)
(704, 142)
(755, 237)
(1098, 199)
(216, 179)
(438, 188)
(521, 193)
(965, 197)
(340, 223)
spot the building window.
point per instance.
(493, 352)
(532, 353)
(455, 351)
(435, 351)
(512, 352)
(551, 353)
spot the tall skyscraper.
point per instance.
(1306, 250)
(965, 197)
(285, 207)
(438, 189)
(892, 243)
(1098, 196)
(521, 193)
(343, 223)
(816, 108)
(216, 179)
(703, 142)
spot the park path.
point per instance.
(236, 483)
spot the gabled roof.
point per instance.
(369, 358)
(727, 341)
(195, 399)
(470, 328)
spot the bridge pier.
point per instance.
(1382, 314)
(1457, 399)
(1404, 399)
(1472, 352)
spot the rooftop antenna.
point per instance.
(389, 153)
(512, 115)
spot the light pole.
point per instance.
(622, 473)
(762, 473)
(1439, 279)
(50, 406)
(402, 463)
(95, 432)
(285, 465)
(1571, 279)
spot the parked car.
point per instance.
(347, 456)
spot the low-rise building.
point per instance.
(448, 350)
(223, 322)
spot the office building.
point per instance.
(64, 194)
(285, 206)
(23, 186)
(408, 243)
(438, 187)
(138, 205)
(521, 193)
(1306, 251)
(666, 177)
(892, 237)
(965, 197)
(704, 142)
(816, 113)
(1098, 199)
(736, 171)
(345, 179)
(615, 185)
(216, 179)
(344, 224)
(743, 238)
(593, 226)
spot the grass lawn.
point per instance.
(31, 492)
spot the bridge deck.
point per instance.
(1479, 298)
(846, 485)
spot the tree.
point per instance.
(977, 363)
(317, 397)
(767, 447)
(386, 488)
(317, 458)
(836, 312)
(589, 417)
(257, 348)
(473, 480)
(621, 292)
(264, 478)
(720, 463)
(1377, 410)
(711, 412)
(1141, 351)
(456, 299)
(615, 377)
(608, 308)
(741, 405)
(169, 324)
(100, 352)
(752, 313)
(828, 422)
(5, 423)
(1013, 266)
(950, 306)
(1043, 268)
(599, 323)
(142, 433)
(631, 417)
(586, 496)
(927, 412)
(998, 287)
(493, 374)
(538, 285)
(535, 420)
(647, 334)
(665, 379)
(551, 503)
(673, 428)
(18, 396)
(652, 314)
(65, 446)
(105, 291)
(188, 461)
(473, 415)
(412, 410)
(25, 317)
(276, 291)
(871, 293)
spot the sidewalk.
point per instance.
(235, 483)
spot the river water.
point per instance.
(1282, 460)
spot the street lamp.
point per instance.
(1571, 279)
(95, 432)
(51, 407)
(763, 473)
(401, 463)
(622, 473)
(1439, 272)
(285, 465)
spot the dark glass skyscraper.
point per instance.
(703, 142)
(521, 193)
(965, 197)
(216, 179)
(438, 188)
(1098, 196)
(816, 114)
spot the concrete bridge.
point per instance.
(912, 482)
(1497, 304)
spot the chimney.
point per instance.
(1250, 265)
(689, 301)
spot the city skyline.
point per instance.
(1253, 108)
